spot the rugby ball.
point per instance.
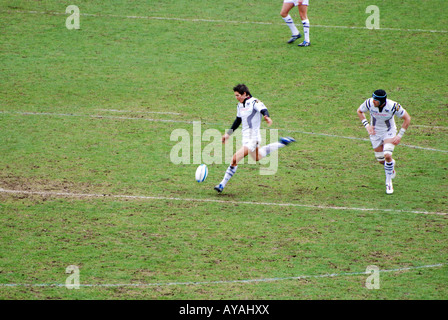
(201, 173)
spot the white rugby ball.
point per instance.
(201, 173)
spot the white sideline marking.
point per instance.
(130, 111)
(94, 116)
(206, 123)
(432, 127)
(217, 21)
(362, 139)
(163, 284)
(93, 195)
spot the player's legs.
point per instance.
(388, 150)
(389, 164)
(287, 6)
(251, 147)
(379, 154)
(389, 161)
(239, 155)
(231, 170)
(262, 152)
(303, 12)
(383, 155)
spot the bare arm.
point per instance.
(406, 122)
(268, 120)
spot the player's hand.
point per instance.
(371, 130)
(268, 120)
(225, 137)
(396, 140)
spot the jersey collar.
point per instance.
(245, 100)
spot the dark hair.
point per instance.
(241, 89)
(380, 95)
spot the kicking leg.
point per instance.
(262, 152)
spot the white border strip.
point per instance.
(190, 122)
(215, 21)
(362, 139)
(93, 195)
(92, 116)
(431, 127)
(133, 111)
(164, 284)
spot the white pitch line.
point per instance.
(165, 284)
(362, 139)
(431, 127)
(277, 204)
(215, 21)
(191, 122)
(130, 111)
(93, 116)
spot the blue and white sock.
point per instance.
(306, 29)
(264, 151)
(229, 174)
(291, 25)
(389, 169)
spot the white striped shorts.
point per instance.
(296, 2)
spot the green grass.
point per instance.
(141, 66)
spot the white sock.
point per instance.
(291, 25)
(389, 169)
(306, 29)
(264, 151)
(229, 174)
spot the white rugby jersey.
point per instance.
(383, 121)
(249, 112)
